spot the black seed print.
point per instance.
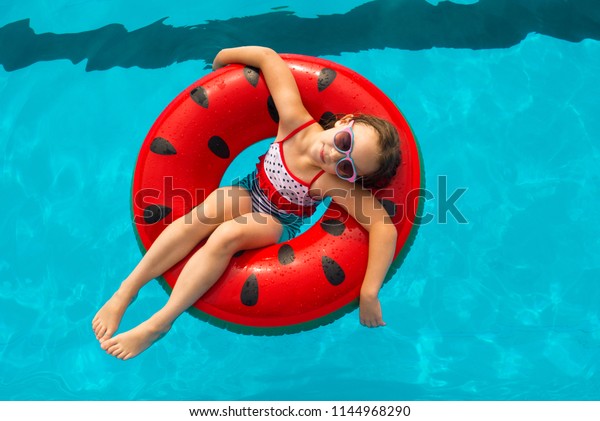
(200, 96)
(333, 272)
(219, 147)
(154, 213)
(249, 295)
(272, 110)
(162, 146)
(390, 207)
(333, 227)
(251, 74)
(326, 77)
(286, 254)
(326, 118)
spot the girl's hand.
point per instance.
(370, 311)
(217, 63)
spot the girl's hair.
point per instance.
(389, 157)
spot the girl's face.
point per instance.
(364, 154)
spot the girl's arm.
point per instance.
(279, 79)
(368, 211)
(382, 244)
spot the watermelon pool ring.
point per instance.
(292, 286)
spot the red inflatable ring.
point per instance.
(315, 277)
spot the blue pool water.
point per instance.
(505, 306)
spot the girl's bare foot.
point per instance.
(106, 322)
(133, 342)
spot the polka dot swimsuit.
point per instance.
(275, 190)
(282, 179)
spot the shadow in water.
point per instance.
(402, 24)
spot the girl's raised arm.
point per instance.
(279, 79)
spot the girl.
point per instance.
(318, 163)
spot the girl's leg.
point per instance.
(199, 274)
(172, 245)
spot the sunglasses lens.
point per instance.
(345, 168)
(343, 141)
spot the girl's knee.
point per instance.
(227, 238)
(221, 205)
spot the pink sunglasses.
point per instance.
(343, 141)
